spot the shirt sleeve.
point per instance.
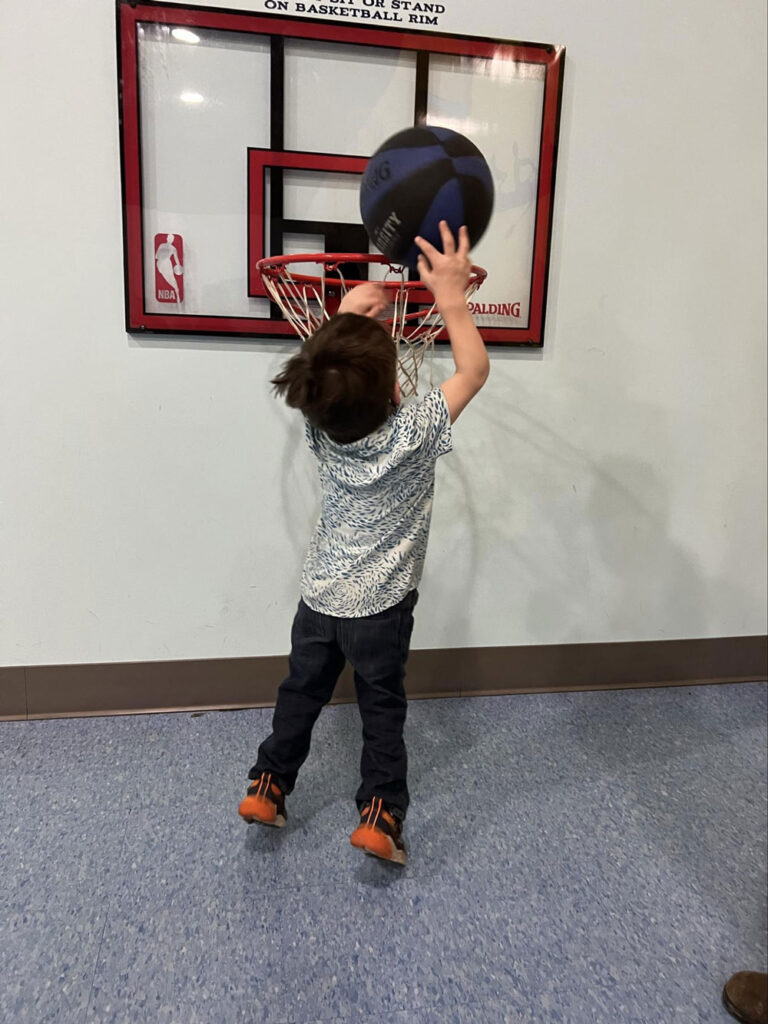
(426, 426)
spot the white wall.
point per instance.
(155, 500)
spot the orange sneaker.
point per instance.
(379, 833)
(264, 802)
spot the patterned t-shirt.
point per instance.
(368, 548)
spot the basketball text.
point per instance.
(377, 174)
(389, 232)
(347, 12)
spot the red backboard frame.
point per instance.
(138, 319)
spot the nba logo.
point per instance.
(169, 268)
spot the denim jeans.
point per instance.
(377, 648)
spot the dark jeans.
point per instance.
(377, 648)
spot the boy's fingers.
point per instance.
(463, 240)
(426, 247)
(449, 243)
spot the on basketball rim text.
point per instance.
(411, 12)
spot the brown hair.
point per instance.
(343, 378)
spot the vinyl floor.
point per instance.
(575, 857)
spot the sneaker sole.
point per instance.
(249, 819)
(392, 855)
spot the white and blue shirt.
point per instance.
(369, 545)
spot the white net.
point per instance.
(411, 317)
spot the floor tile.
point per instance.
(553, 952)
(72, 854)
(60, 762)
(368, 951)
(439, 1015)
(175, 856)
(205, 756)
(202, 962)
(47, 960)
(10, 737)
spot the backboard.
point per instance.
(246, 135)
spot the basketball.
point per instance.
(417, 178)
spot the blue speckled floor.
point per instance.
(585, 857)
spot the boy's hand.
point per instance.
(446, 273)
(364, 299)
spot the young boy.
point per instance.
(377, 469)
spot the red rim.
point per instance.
(271, 267)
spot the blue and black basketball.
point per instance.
(416, 179)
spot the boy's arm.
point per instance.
(366, 299)
(446, 274)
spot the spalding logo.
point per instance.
(495, 308)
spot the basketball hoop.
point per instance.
(308, 299)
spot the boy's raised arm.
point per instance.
(447, 274)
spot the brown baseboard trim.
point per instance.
(123, 688)
(13, 693)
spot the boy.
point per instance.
(377, 469)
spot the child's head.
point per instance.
(344, 378)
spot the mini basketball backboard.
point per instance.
(246, 136)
